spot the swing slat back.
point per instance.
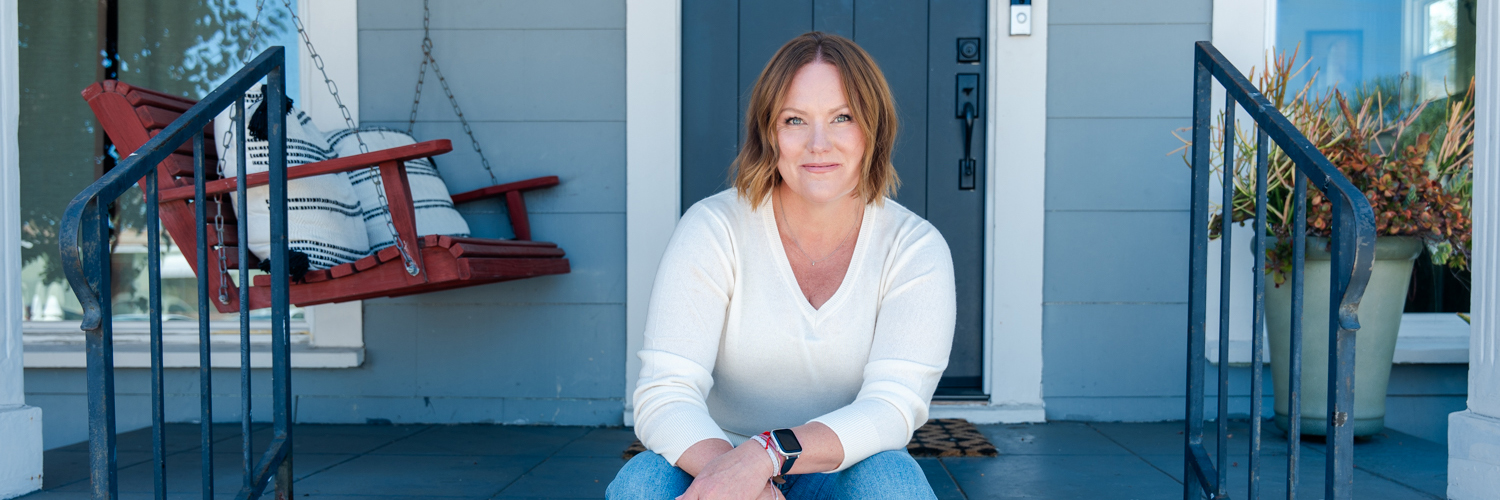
(132, 115)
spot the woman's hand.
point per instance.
(741, 473)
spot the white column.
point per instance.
(20, 425)
(1474, 434)
(653, 99)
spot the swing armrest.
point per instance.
(515, 202)
(410, 152)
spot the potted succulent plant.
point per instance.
(1413, 160)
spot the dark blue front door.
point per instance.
(926, 49)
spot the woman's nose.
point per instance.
(821, 142)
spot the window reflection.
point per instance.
(1355, 43)
(181, 47)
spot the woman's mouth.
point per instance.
(819, 168)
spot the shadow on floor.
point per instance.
(1053, 460)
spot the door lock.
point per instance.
(967, 110)
(969, 51)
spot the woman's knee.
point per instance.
(648, 476)
(888, 474)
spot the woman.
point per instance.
(818, 311)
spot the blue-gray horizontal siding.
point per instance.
(1115, 297)
(543, 86)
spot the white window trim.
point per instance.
(332, 335)
(1016, 147)
(333, 27)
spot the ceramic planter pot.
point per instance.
(1375, 344)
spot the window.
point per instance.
(1355, 43)
(183, 47)
(1423, 48)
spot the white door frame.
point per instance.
(1016, 144)
(653, 103)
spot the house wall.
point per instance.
(1115, 291)
(543, 86)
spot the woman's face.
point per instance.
(821, 145)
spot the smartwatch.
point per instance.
(786, 444)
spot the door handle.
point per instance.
(968, 109)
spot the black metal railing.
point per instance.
(85, 235)
(1352, 247)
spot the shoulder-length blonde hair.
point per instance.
(870, 103)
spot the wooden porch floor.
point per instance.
(1053, 460)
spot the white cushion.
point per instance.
(434, 207)
(323, 212)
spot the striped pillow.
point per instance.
(435, 212)
(323, 212)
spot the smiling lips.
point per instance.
(819, 168)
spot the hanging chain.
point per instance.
(411, 121)
(229, 139)
(422, 74)
(390, 225)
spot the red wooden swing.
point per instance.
(132, 115)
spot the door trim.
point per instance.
(1016, 142)
(1016, 124)
(653, 148)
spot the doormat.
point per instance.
(950, 437)
(942, 437)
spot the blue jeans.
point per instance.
(886, 475)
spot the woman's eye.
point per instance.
(842, 118)
(793, 121)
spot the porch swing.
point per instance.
(414, 264)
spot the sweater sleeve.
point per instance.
(684, 323)
(913, 335)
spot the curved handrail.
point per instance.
(72, 237)
(1353, 232)
(1354, 208)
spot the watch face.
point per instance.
(786, 440)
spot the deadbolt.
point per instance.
(968, 50)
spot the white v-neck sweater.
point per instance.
(733, 348)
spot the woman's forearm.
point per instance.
(821, 449)
(701, 453)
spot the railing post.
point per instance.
(205, 376)
(1258, 313)
(1339, 483)
(1294, 379)
(243, 249)
(153, 277)
(99, 342)
(1226, 251)
(281, 378)
(1197, 279)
